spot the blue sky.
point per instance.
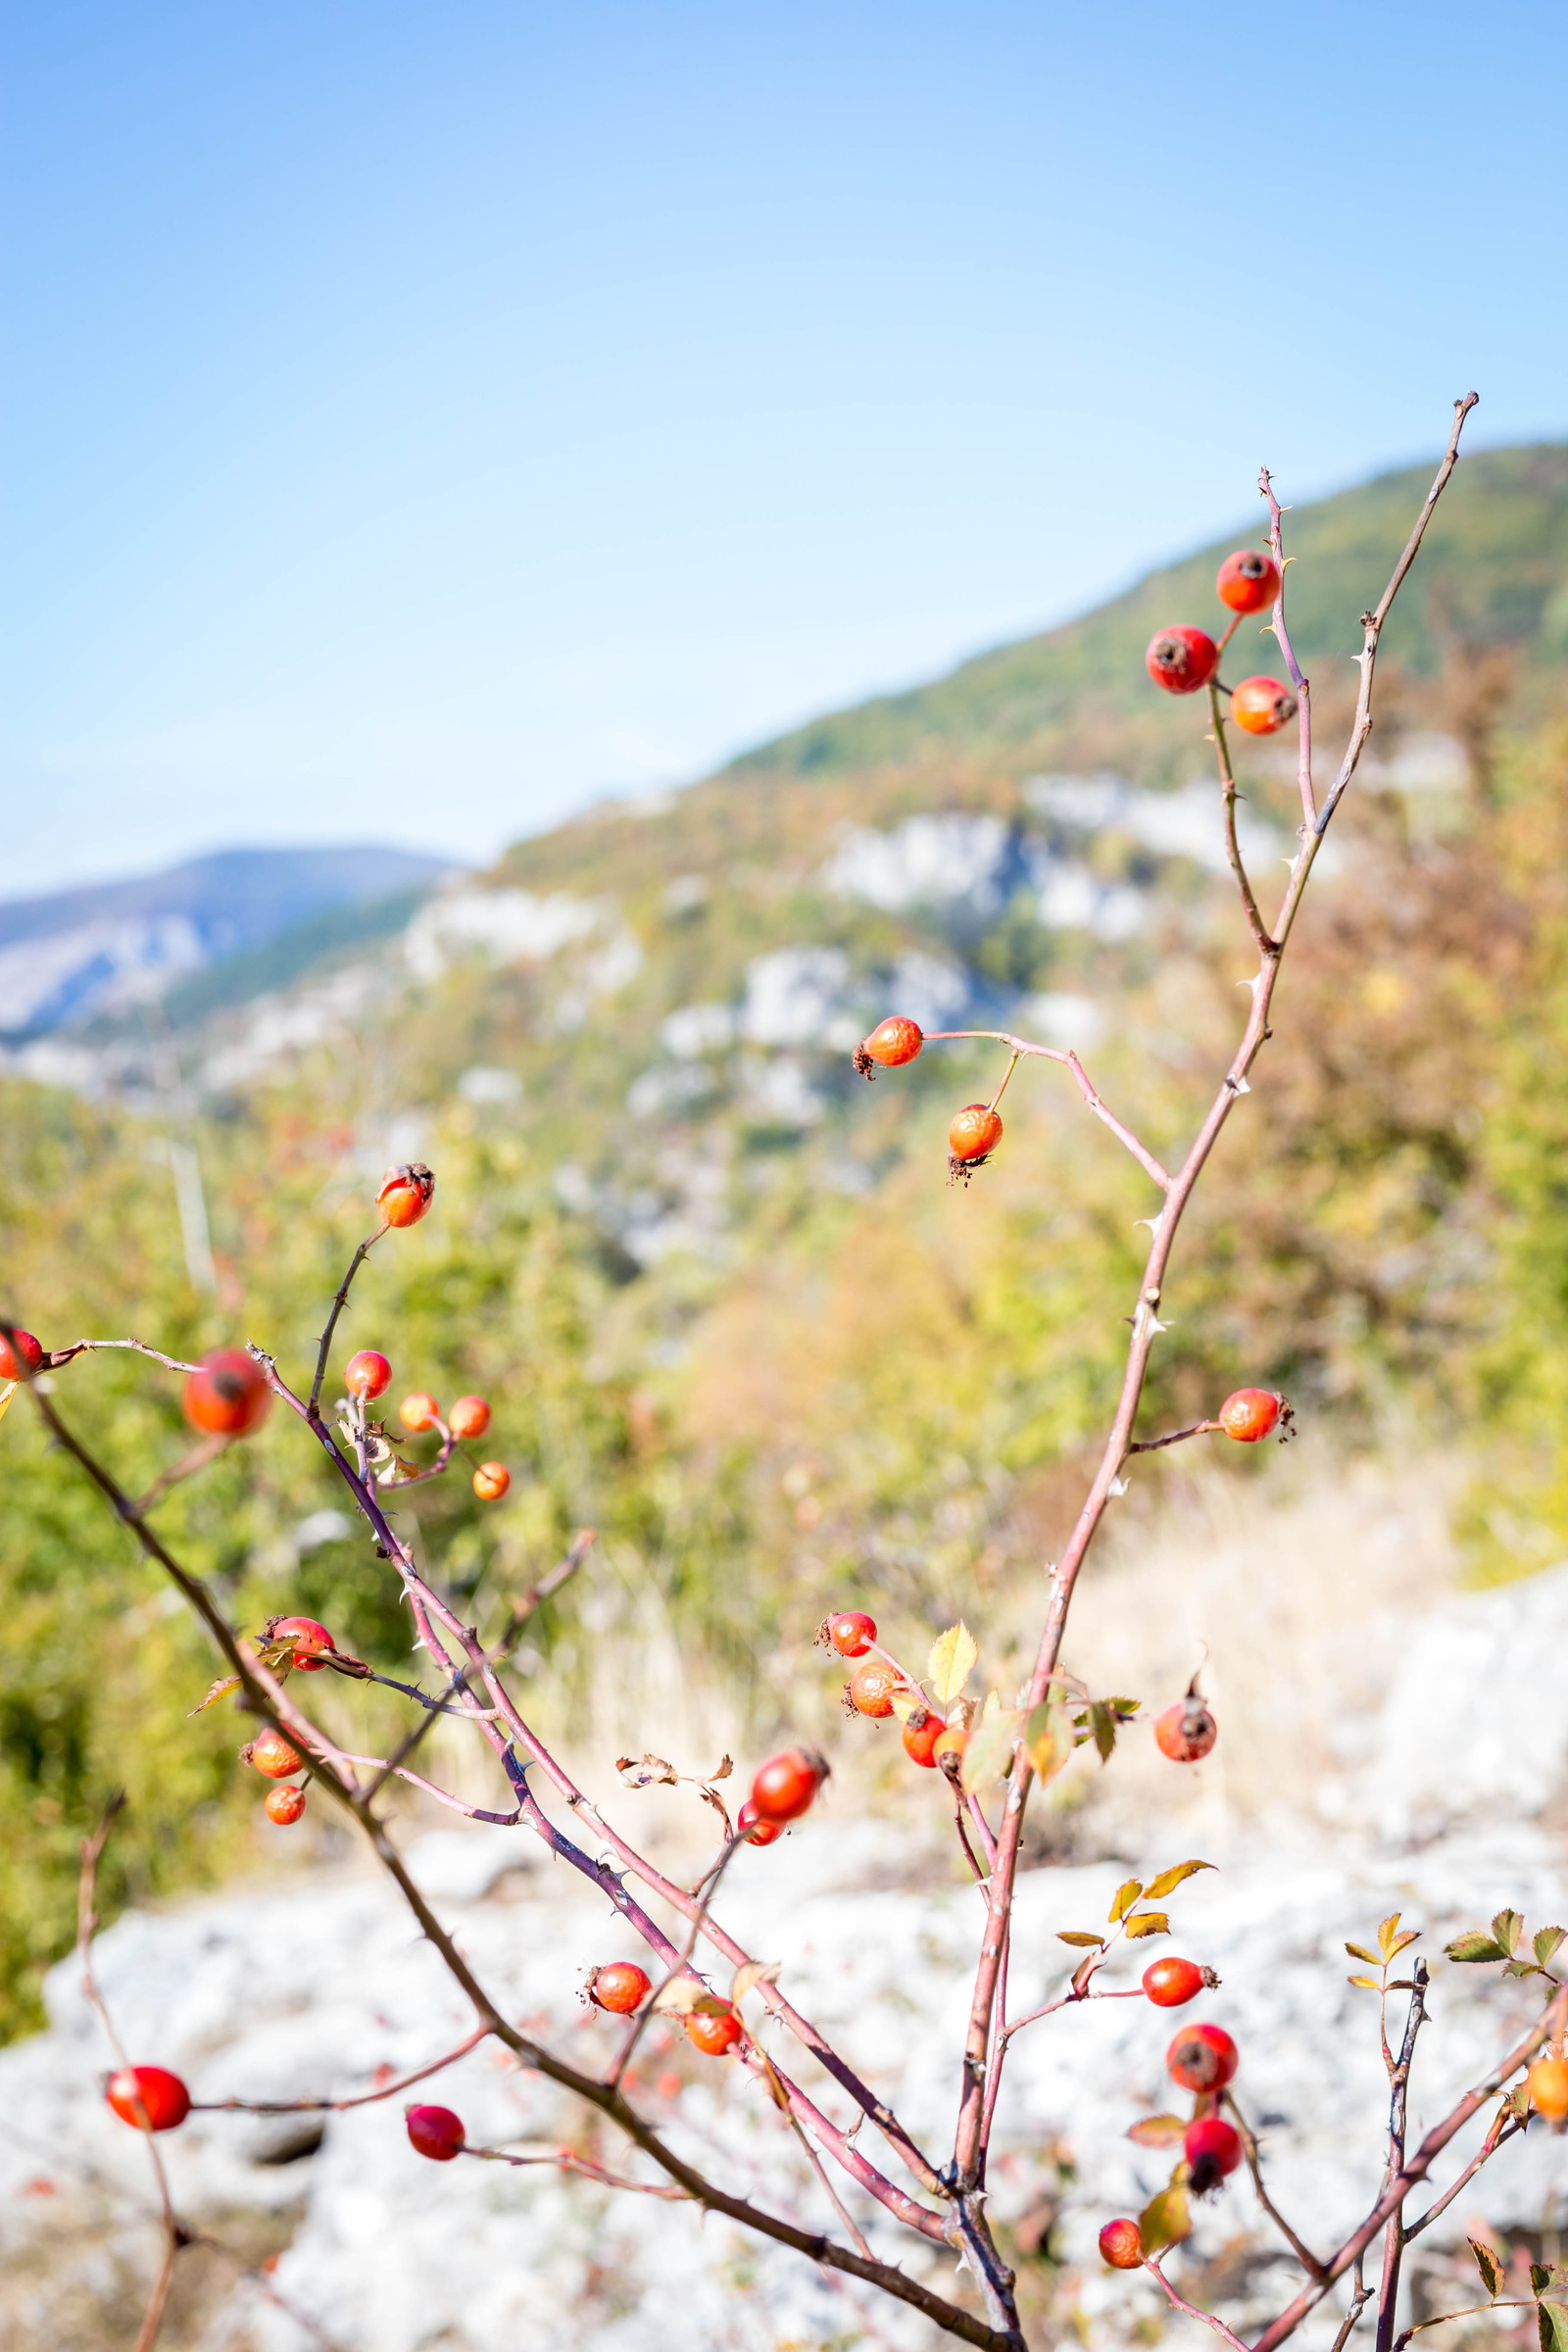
(421, 420)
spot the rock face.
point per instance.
(308, 1990)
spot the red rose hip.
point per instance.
(226, 1395)
(1247, 581)
(150, 2091)
(1121, 2245)
(284, 1807)
(892, 1042)
(750, 1824)
(1186, 1731)
(621, 1987)
(713, 2035)
(921, 1736)
(1212, 2148)
(1251, 1413)
(435, 2132)
(406, 1193)
(1203, 2058)
(870, 1688)
(20, 1354)
(1181, 660)
(491, 1481)
(272, 1754)
(1262, 705)
(1170, 1983)
(310, 1640)
(419, 1411)
(367, 1374)
(851, 1633)
(973, 1135)
(469, 1417)
(784, 1786)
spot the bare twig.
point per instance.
(1297, 2245)
(1191, 2310)
(1394, 2235)
(1177, 1436)
(362, 2098)
(1069, 1060)
(1255, 921)
(313, 1409)
(1303, 685)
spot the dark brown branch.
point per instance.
(313, 1409)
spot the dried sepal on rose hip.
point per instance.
(973, 1137)
(227, 1395)
(1181, 660)
(892, 1042)
(1247, 581)
(1186, 1731)
(149, 2097)
(1251, 1414)
(405, 1194)
(1262, 705)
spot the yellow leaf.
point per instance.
(954, 1655)
(5, 1395)
(1124, 1898)
(1172, 1878)
(750, 1972)
(1164, 2220)
(1148, 1922)
(1370, 1983)
(219, 1689)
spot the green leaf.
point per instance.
(1358, 1951)
(1169, 1879)
(1158, 2131)
(1486, 2264)
(1102, 1724)
(1552, 2323)
(988, 1758)
(1148, 1922)
(1124, 1709)
(1073, 1935)
(1539, 2278)
(1522, 1967)
(1125, 1897)
(1507, 1928)
(953, 1657)
(1165, 2220)
(1473, 1946)
(1545, 1942)
(1046, 1741)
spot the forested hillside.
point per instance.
(725, 1303)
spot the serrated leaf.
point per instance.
(1102, 1729)
(1158, 2131)
(647, 1772)
(219, 1689)
(1475, 1945)
(1124, 1898)
(1400, 1942)
(988, 1758)
(1521, 1967)
(1386, 1929)
(1165, 2220)
(1551, 2321)
(1172, 1878)
(750, 1972)
(1358, 1951)
(1506, 1927)
(1148, 1922)
(1539, 2278)
(1124, 1709)
(1077, 1935)
(1544, 1941)
(953, 1657)
(1371, 1984)
(1485, 2264)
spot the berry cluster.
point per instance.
(1182, 660)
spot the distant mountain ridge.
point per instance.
(100, 948)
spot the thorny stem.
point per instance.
(566, 2160)
(1191, 2310)
(1299, 2246)
(313, 1409)
(64, 1356)
(1488, 2149)
(1360, 2297)
(1394, 2235)
(267, 1696)
(1179, 1190)
(1255, 921)
(677, 1967)
(1282, 635)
